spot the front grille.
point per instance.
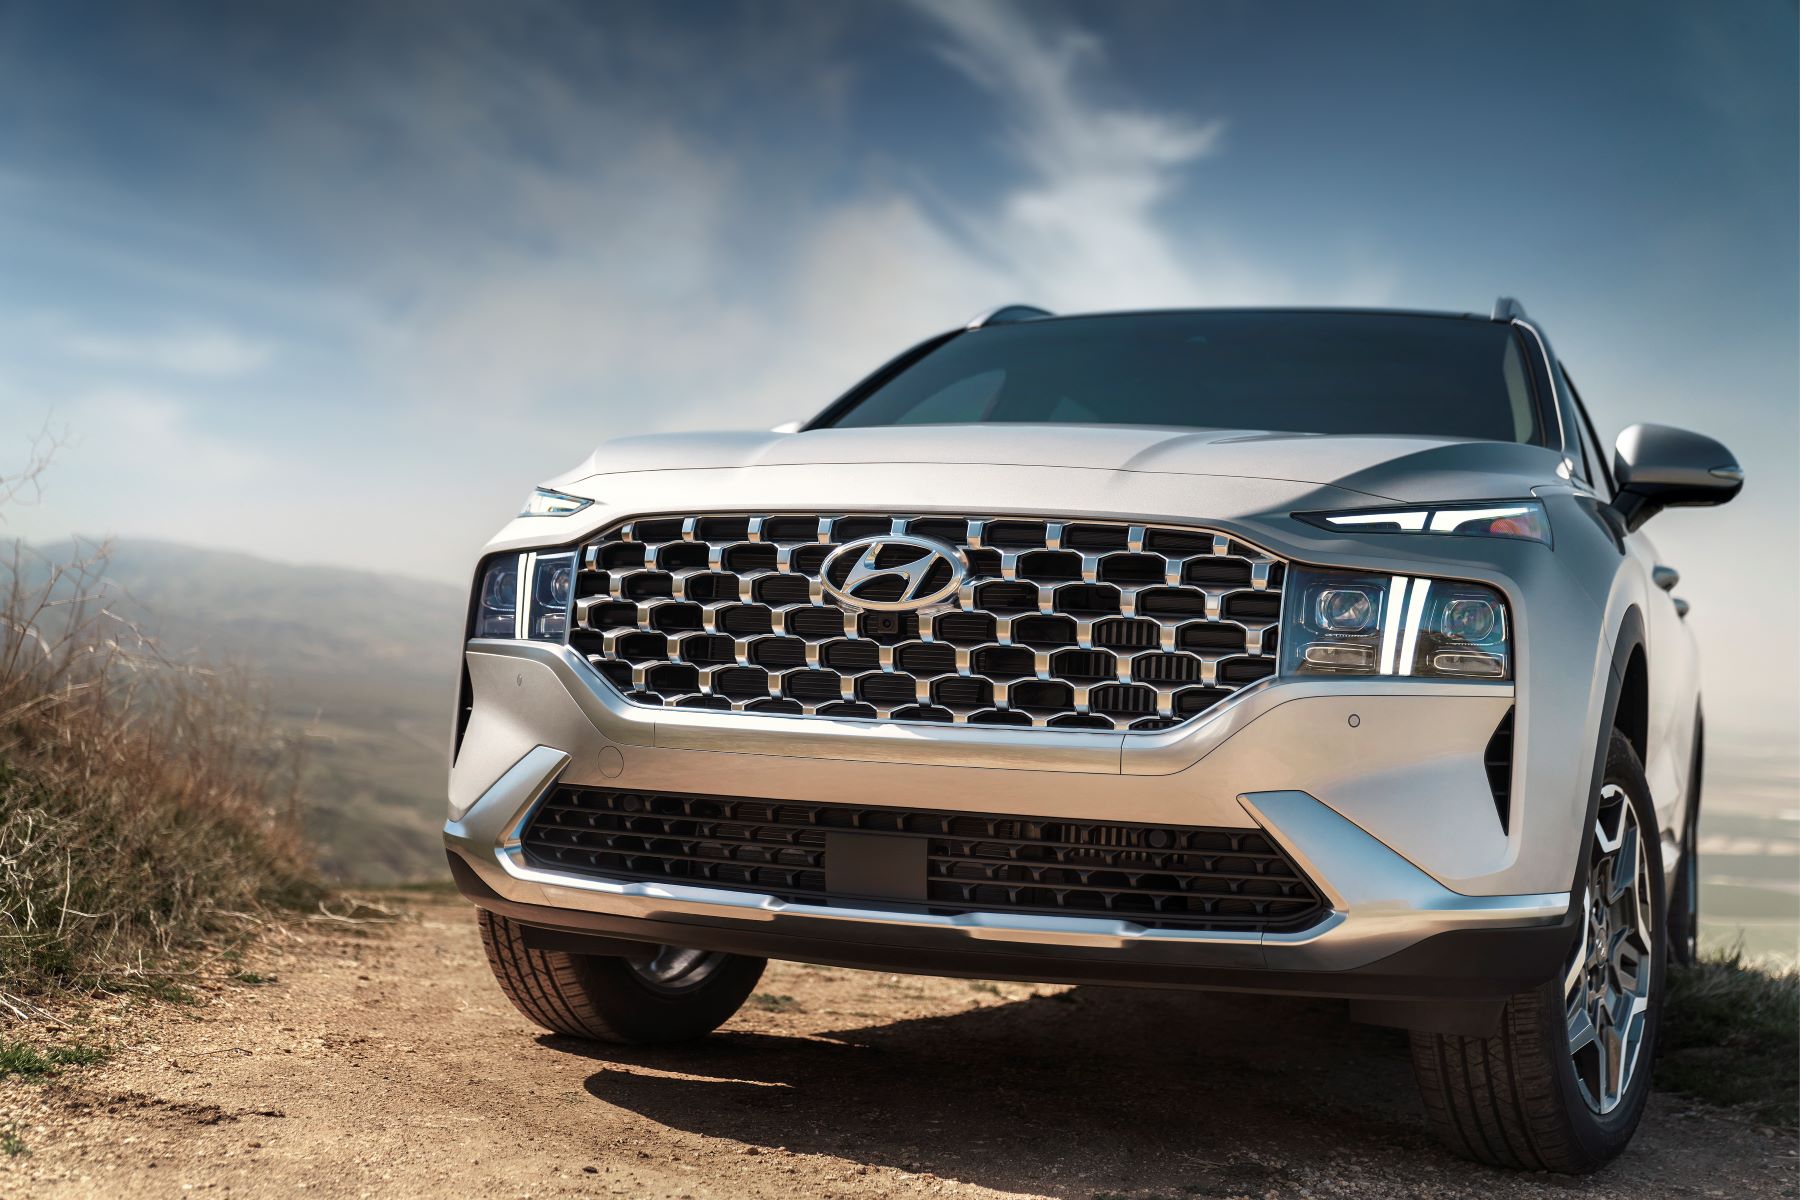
(1066, 625)
(1159, 876)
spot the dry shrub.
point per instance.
(146, 805)
(1731, 1035)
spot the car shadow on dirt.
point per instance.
(1084, 1092)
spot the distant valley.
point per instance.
(362, 666)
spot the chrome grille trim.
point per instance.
(1060, 623)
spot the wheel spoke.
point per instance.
(1581, 1030)
(1606, 824)
(1622, 877)
(676, 967)
(674, 963)
(1634, 1016)
(1631, 966)
(1612, 1055)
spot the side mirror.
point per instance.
(786, 427)
(1660, 467)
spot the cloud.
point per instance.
(673, 278)
(498, 239)
(160, 437)
(206, 353)
(1085, 230)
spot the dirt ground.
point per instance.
(386, 1063)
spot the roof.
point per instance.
(1505, 309)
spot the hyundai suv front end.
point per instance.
(1307, 652)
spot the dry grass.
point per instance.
(146, 806)
(1731, 1036)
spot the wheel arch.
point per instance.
(1631, 713)
(1629, 669)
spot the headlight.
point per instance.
(546, 503)
(1354, 623)
(497, 601)
(537, 611)
(1511, 519)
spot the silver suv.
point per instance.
(1311, 652)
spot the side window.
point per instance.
(1591, 445)
(1518, 394)
(1571, 423)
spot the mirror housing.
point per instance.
(787, 427)
(1658, 467)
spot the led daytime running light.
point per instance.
(545, 502)
(1522, 519)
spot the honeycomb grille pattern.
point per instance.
(1158, 876)
(1066, 625)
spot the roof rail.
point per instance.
(1508, 309)
(1009, 314)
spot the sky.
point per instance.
(338, 282)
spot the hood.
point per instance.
(1408, 469)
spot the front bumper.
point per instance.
(1283, 758)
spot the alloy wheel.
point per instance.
(676, 969)
(1606, 989)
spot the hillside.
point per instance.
(362, 664)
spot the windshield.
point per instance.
(1291, 372)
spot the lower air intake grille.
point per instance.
(1160, 876)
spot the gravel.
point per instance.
(388, 1064)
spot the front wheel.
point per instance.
(1562, 1086)
(665, 994)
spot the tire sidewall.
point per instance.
(1603, 1135)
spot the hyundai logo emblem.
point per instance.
(892, 574)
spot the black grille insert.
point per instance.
(1161, 876)
(1498, 760)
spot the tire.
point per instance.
(1524, 1098)
(616, 1000)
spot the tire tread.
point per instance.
(1496, 1099)
(545, 985)
(602, 998)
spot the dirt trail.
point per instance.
(390, 1065)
